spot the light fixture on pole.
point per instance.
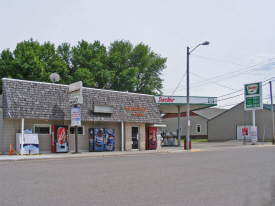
(187, 94)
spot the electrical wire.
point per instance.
(233, 74)
(178, 84)
(211, 81)
(218, 60)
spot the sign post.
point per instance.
(75, 91)
(253, 100)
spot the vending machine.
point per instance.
(91, 140)
(151, 138)
(109, 139)
(60, 140)
(99, 139)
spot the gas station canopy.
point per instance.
(170, 104)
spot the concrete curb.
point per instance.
(8, 158)
(197, 147)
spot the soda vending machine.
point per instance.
(109, 139)
(91, 140)
(151, 138)
(98, 140)
(60, 140)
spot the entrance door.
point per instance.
(135, 136)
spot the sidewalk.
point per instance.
(196, 147)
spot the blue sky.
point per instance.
(241, 34)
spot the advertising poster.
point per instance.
(109, 135)
(98, 139)
(30, 148)
(245, 131)
(91, 140)
(61, 139)
(75, 116)
(254, 135)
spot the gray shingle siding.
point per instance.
(37, 100)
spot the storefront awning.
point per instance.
(170, 104)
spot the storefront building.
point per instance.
(40, 106)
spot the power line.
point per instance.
(241, 93)
(242, 89)
(212, 81)
(233, 74)
(218, 60)
(178, 84)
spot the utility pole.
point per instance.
(187, 103)
(272, 113)
(187, 93)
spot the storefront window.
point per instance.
(80, 130)
(42, 129)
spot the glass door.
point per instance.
(135, 137)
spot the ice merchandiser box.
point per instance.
(60, 140)
(30, 143)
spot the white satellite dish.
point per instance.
(54, 77)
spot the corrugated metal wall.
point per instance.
(223, 127)
(172, 125)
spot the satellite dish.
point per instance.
(54, 77)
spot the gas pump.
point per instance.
(173, 138)
(164, 136)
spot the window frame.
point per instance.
(83, 130)
(43, 125)
(198, 126)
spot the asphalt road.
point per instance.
(224, 177)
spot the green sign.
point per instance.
(253, 96)
(252, 102)
(252, 89)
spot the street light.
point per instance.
(187, 106)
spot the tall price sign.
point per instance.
(253, 98)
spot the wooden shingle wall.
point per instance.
(37, 100)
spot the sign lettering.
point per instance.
(165, 99)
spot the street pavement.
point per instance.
(211, 174)
(195, 147)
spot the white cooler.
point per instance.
(30, 143)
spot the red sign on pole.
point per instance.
(244, 131)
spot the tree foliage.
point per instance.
(121, 67)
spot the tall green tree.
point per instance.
(122, 74)
(65, 52)
(27, 63)
(53, 63)
(149, 69)
(6, 61)
(122, 67)
(92, 57)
